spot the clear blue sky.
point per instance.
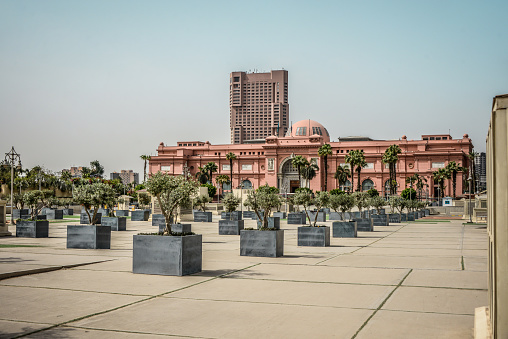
(110, 80)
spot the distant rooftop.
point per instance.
(355, 138)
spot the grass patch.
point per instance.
(432, 221)
(71, 216)
(11, 246)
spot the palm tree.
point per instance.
(419, 181)
(231, 156)
(221, 179)
(145, 158)
(211, 167)
(356, 158)
(324, 151)
(202, 175)
(439, 177)
(472, 155)
(299, 162)
(391, 157)
(309, 172)
(453, 168)
(342, 175)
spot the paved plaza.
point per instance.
(421, 279)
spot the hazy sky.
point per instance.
(110, 80)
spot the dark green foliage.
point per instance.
(303, 189)
(408, 194)
(211, 189)
(139, 187)
(336, 191)
(373, 192)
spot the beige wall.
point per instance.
(497, 219)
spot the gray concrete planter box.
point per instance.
(235, 215)
(230, 227)
(326, 210)
(416, 215)
(426, 211)
(297, 218)
(314, 236)
(40, 217)
(403, 217)
(32, 229)
(364, 225)
(273, 222)
(334, 216)
(54, 214)
(83, 218)
(379, 220)
(104, 211)
(20, 214)
(255, 216)
(88, 237)
(248, 214)
(176, 228)
(68, 211)
(140, 215)
(410, 216)
(116, 223)
(122, 213)
(394, 218)
(280, 215)
(200, 216)
(254, 243)
(158, 219)
(167, 255)
(344, 229)
(381, 211)
(320, 218)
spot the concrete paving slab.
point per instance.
(414, 325)
(11, 329)
(452, 279)
(73, 332)
(480, 264)
(409, 252)
(223, 319)
(288, 293)
(55, 306)
(436, 300)
(353, 260)
(347, 275)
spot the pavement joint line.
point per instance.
(76, 290)
(382, 304)
(312, 282)
(24, 321)
(428, 312)
(134, 332)
(16, 274)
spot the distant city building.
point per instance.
(480, 162)
(127, 176)
(76, 172)
(258, 106)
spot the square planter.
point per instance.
(32, 229)
(344, 229)
(416, 215)
(426, 211)
(235, 215)
(158, 219)
(40, 217)
(248, 214)
(256, 243)
(17, 214)
(364, 225)
(230, 227)
(255, 216)
(334, 216)
(116, 223)
(379, 220)
(200, 216)
(381, 211)
(83, 218)
(326, 210)
(104, 211)
(68, 211)
(176, 228)
(167, 255)
(54, 214)
(273, 222)
(320, 218)
(280, 215)
(88, 237)
(403, 217)
(122, 213)
(140, 215)
(297, 218)
(410, 216)
(314, 236)
(394, 218)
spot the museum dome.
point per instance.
(307, 128)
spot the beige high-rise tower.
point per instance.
(258, 105)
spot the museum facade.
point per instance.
(270, 161)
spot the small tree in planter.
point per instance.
(230, 203)
(360, 200)
(202, 215)
(32, 228)
(379, 219)
(92, 197)
(342, 203)
(233, 226)
(377, 202)
(117, 223)
(173, 251)
(313, 235)
(144, 200)
(264, 242)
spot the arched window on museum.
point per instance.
(246, 184)
(367, 184)
(345, 187)
(387, 188)
(226, 186)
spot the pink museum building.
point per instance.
(270, 161)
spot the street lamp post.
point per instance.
(10, 158)
(469, 207)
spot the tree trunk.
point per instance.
(326, 171)
(454, 182)
(358, 169)
(231, 171)
(352, 179)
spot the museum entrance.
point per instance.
(288, 177)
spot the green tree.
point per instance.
(408, 194)
(324, 151)
(453, 169)
(342, 203)
(309, 172)
(391, 157)
(419, 181)
(230, 203)
(201, 202)
(471, 156)
(299, 162)
(202, 175)
(221, 179)
(145, 158)
(356, 158)
(171, 193)
(263, 199)
(341, 175)
(93, 196)
(360, 200)
(378, 203)
(439, 178)
(230, 157)
(211, 168)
